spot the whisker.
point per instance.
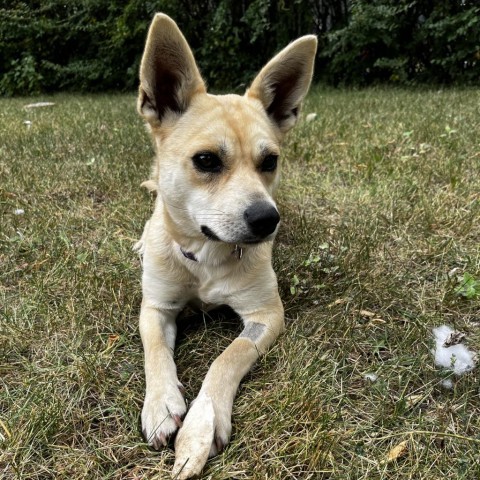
(175, 206)
(215, 211)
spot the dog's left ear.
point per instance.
(283, 82)
(169, 76)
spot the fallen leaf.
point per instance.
(454, 339)
(338, 301)
(399, 451)
(112, 339)
(366, 313)
(412, 400)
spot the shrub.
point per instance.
(419, 40)
(90, 45)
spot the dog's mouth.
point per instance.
(209, 234)
(250, 240)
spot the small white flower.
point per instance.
(19, 211)
(447, 384)
(455, 357)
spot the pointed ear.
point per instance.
(283, 83)
(169, 76)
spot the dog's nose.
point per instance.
(262, 218)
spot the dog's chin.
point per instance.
(241, 241)
(255, 241)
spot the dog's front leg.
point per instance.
(207, 426)
(164, 405)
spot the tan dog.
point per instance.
(210, 236)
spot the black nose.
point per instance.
(262, 218)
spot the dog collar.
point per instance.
(237, 251)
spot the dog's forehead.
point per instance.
(232, 121)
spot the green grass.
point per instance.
(380, 202)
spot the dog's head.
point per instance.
(218, 156)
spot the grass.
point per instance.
(381, 221)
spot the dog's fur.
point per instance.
(210, 236)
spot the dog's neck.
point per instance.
(237, 252)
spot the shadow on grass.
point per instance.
(192, 321)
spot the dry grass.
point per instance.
(380, 201)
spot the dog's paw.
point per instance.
(205, 433)
(162, 415)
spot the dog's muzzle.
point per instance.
(262, 219)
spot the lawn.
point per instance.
(380, 200)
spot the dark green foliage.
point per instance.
(241, 36)
(91, 45)
(81, 44)
(405, 41)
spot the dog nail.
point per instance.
(156, 443)
(181, 388)
(219, 444)
(177, 420)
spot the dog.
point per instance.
(210, 236)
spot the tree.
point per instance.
(406, 41)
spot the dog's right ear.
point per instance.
(169, 76)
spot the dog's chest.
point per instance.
(213, 286)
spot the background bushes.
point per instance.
(406, 41)
(91, 45)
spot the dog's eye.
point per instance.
(269, 163)
(207, 162)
